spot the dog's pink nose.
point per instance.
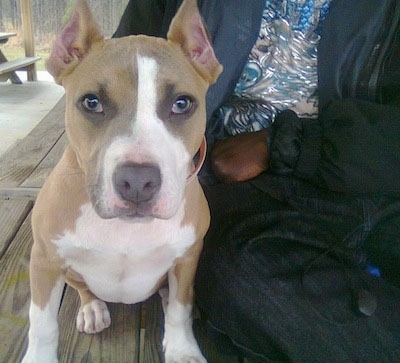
(137, 182)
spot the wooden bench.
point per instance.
(17, 64)
(136, 330)
(5, 36)
(8, 68)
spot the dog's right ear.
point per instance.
(74, 42)
(188, 31)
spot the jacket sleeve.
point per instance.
(150, 17)
(354, 147)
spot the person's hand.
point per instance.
(241, 157)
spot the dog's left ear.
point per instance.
(74, 42)
(187, 30)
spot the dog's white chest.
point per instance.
(122, 261)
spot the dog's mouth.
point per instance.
(136, 217)
(142, 212)
(124, 210)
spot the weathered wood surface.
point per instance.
(136, 331)
(28, 33)
(12, 214)
(14, 295)
(16, 64)
(119, 343)
(19, 163)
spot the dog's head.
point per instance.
(135, 112)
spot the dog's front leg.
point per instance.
(47, 283)
(179, 342)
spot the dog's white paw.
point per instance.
(178, 350)
(185, 358)
(93, 317)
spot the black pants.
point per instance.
(283, 272)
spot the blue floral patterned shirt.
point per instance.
(281, 71)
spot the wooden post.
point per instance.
(27, 26)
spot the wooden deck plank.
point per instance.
(119, 343)
(151, 332)
(14, 295)
(17, 164)
(14, 192)
(39, 175)
(12, 214)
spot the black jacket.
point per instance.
(355, 145)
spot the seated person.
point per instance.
(302, 176)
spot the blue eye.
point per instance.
(92, 103)
(183, 104)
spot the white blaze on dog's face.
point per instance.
(135, 126)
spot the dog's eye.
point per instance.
(92, 103)
(183, 104)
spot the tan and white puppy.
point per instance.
(123, 210)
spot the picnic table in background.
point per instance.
(8, 68)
